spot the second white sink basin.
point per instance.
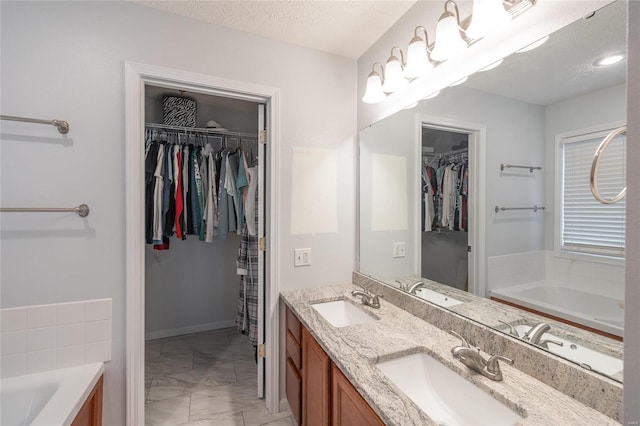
(437, 298)
(341, 313)
(443, 395)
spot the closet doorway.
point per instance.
(445, 188)
(204, 273)
(451, 163)
(189, 308)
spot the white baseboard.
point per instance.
(198, 328)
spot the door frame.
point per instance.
(137, 75)
(477, 188)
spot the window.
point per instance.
(588, 227)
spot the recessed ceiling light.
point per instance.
(609, 60)
(533, 45)
(433, 95)
(456, 83)
(491, 66)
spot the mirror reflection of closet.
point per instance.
(444, 183)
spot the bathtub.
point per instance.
(50, 398)
(592, 310)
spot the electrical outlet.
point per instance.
(399, 249)
(302, 257)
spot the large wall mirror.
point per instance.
(482, 193)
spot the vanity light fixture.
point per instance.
(393, 78)
(488, 16)
(492, 65)
(418, 63)
(533, 45)
(609, 60)
(449, 41)
(459, 82)
(374, 93)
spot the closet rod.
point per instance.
(512, 166)
(201, 130)
(534, 208)
(61, 125)
(446, 154)
(82, 210)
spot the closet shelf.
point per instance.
(201, 130)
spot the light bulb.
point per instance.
(488, 16)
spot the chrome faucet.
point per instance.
(415, 286)
(473, 359)
(368, 299)
(535, 333)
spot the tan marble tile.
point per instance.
(168, 412)
(234, 419)
(245, 369)
(259, 415)
(224, 400)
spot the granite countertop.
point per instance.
(356, 349)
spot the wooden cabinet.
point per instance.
(316, 383)
(318, 393)
(91, 412)
(293, 384)
(348, 407)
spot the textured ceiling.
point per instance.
(345, 28)
(563, 67)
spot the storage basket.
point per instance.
(179, 111)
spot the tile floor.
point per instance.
(205, 379)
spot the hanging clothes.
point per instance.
(151, 157)
(247, 316)
(186, 193)
(448, 186)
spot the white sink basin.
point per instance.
(437, 298)
(443, 395)
(341, 313)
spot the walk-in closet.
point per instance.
(445, 218)
(201, 258)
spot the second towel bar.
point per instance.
(534, 208)
(82, 210)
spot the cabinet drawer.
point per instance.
(294, 390)
(294, 351)
(294, 326)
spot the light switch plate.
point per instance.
(399, 249)
(302, 257)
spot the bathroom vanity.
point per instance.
(339, 371)
(318, 393)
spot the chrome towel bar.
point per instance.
(61, 125)
(534, 208)
(82, 210)
(513, 166)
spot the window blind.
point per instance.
(588, 226)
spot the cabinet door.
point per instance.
(316, 382)
(349, 408)
(294, 390)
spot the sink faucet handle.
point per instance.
(464, 342)
(512, 330)
(492, 363)
(545, 343)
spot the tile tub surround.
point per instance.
(591, 389)
(47, 337)
(357, 348)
